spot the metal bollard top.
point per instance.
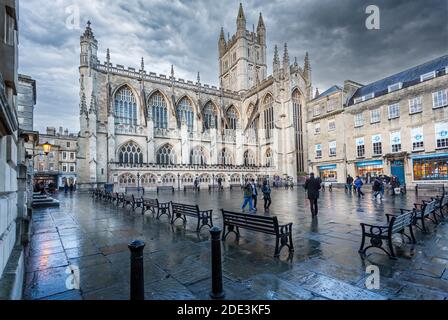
(136, 245)
(215, 232)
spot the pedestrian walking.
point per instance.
(376, 188)
(247, 196)
(196, 184)
(349, 184)
(65, 187)
(358, 185)
(266, 195)
(219, 183)
(254, 194)
(312, 186)
(71, 187)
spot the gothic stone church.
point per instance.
(138, 127)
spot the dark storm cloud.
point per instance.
(185, 33)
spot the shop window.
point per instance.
(430, 168)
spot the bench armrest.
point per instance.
(285, 228)
(371, 226)
(206, 212)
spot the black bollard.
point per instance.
(137, 279)
(217, 289)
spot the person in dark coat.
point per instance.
(312, 186)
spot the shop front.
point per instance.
(368, 170)
(45, 181)
(70, 179)
(328, 173)
(432, 167)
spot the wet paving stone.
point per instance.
(93, 236)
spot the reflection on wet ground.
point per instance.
(93, 235)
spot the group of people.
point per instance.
(378, 186)
(251, 195)
(68, 187)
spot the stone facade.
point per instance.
(170, 131)
(26, 100)
(59, 166)
(394, 126)
(11, 249)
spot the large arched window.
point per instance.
(269, 162)
(166, 155)
(297, 120)
(125, 107)
(232, 118)
(159, 110)
(225, 157)
(268, 112)
(197, 156)
(148, 179)
(249, 159)
(130, 153)
(127, 180)
(185, 112)
(210, 116)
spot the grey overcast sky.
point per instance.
(185, 33)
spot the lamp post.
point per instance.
(178, 181)
(138, 182)
(213, 182)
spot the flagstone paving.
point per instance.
(92, 236)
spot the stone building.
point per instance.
(394, 126)
(26, 100)
(11, 248)
(169, 131)
(59, 166)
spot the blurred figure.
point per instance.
(312, 186)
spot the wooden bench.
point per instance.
(156, 207)
(114, 197)
(441, 204)
(120, 198)
(139, 190)
(397, 224)
(180, 211)
(129, 200)
(165, 188)
(192, 187)
(423, 211)
(269, 225)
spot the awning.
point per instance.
(427, 156)
(328, 167)
(369, 163)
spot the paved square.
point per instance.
(93, 235)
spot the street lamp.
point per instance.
(138, 182)
(47, 148)
(178, 181)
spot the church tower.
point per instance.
(87, 155)
(242, 58)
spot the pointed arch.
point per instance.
(198, 156)
(249, 158)
(165, 155)
(158, 106)
(185, 111)
(268, 115)
(269, 158)
(148, 179)
(130, 152)
(210, 113)
(225, 157)
(127, 180)
(297, 111)
(232, 118)
(126, 105)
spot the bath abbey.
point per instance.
(140, 128)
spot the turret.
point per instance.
(89, 47)
(286, 59)
(241, 21)
(307, 67)
(276, 63)
(261, 31)
(222, 43)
